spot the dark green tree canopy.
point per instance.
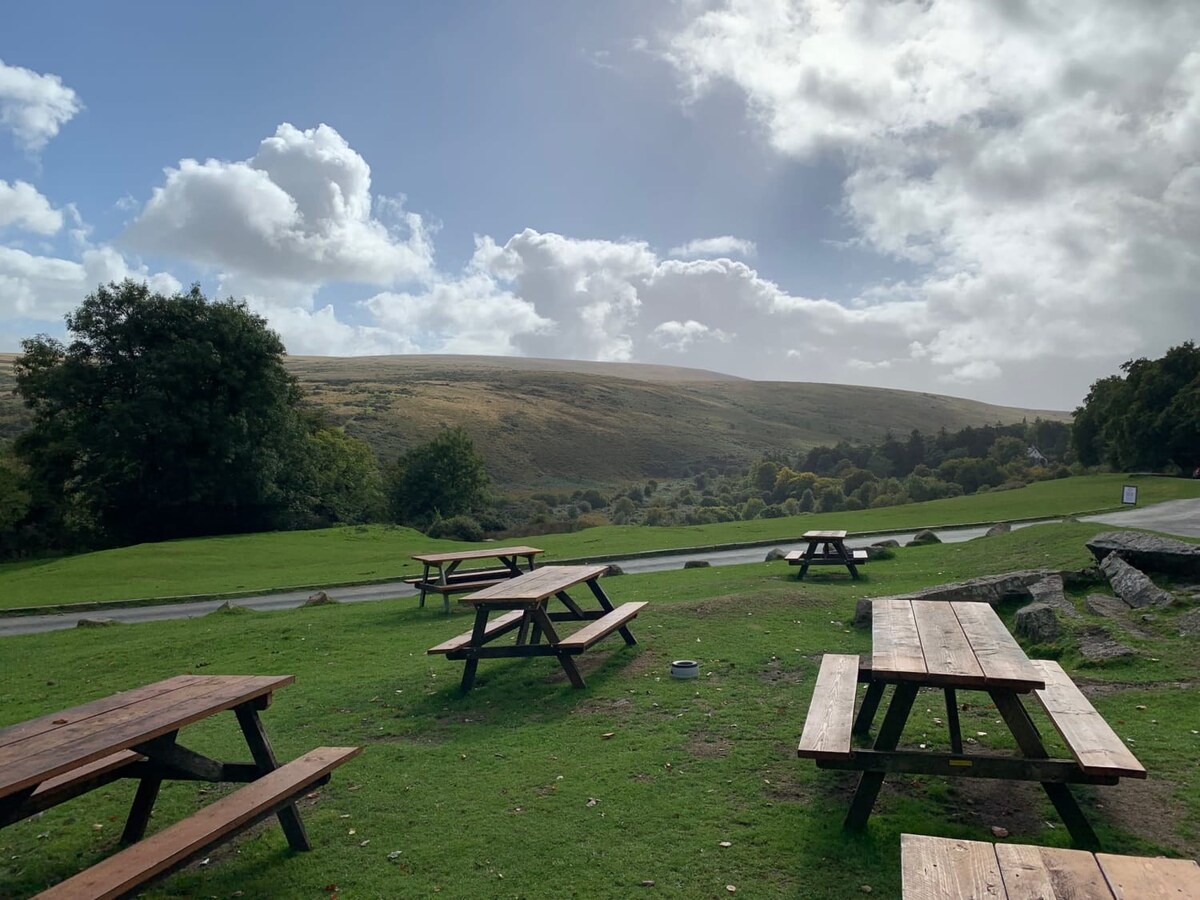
(445, 477)
(1148, 419)
(163, 417)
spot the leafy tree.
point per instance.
(445, 477)
(623, 511)
(164, 417)
(347, 484)
(1007, 450)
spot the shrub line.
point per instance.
(101, 605)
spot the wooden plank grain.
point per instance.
(538, 584)
(940, 869)
(1000, 657)
(949, 658)
(602, 627)
(895, 642)
(48, 754)
(1050, 873)
(1096, 747)
(464, 555)
(831, 710)
(1144, 878)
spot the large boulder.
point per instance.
(1038, 622)
(925, 536)
(998, 528)
(888, 542)
(1189, 623)
(991, 589)
(1104, 605)
(1148, 552)
(1131, 585)
(320, 598)
(775, 553)
(1049, 591)
(1097, 647)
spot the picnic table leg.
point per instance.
(1027, 737)
(952, 721)
(143, 801)
(424, 581)
(264, 758)
(869, 783)
(569, 603)
(477, 636)
(607, 606)
(866, 713)
(808, 555)
(564, 659)
(847, 557)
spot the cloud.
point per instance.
(21, 205)
(300, 210)
(681, 335)
(726, 245)
(34, 107)
(1036, 161)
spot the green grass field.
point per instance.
(262, 562)
(490, 795)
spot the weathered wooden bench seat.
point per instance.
(827, 728)
(796, 558)
(174, 846)
(1092, 742)
(461, 576)
(496, 627)
(601, 628)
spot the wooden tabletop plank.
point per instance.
(1143, 878)
(824, 535)
(536, 585)
(1000, 657)
(1096, 747)
(42, 756)
(895, 642)
(23, 730)
(940, 869)
(1050, 873)
(464, 555)
(949, 658)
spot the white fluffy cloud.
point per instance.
(23, 207)
(726, 245)
(1038, 161)
(300, 210)
(34, 106)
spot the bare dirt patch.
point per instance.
(708, 746)
(1147, 809)
(775, 672)
(1092, 688)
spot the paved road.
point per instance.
(1173, 517)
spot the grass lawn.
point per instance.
(260, 562)
(491, 794)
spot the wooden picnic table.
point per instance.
(526, 599)
(133, 734)
(935, 868)
(826, 548)
(443, 575)
(958, 646)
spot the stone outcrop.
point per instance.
(998, 528)
(1038, 622)
(775, 553)
(1049, 591)
(889, 542)
(1098, 647)
(1148, 552)
(320, 598)
(1131, 585)
(697, 564)
(1189, 623)
(989, 589)
(1104, 605)
(925, 536)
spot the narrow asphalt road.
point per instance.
(1180, 517)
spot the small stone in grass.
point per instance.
(649, 882)
(395, 854)
(999, 831)
(725, 844)
(866, 888)
(731, 888)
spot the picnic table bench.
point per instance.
(526, 598)
(935, 868)
(442, 573)
(133, 734)
(952, 646)
(826, 548)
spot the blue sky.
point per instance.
(928, 196)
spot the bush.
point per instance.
(772, 512)
(458, 528)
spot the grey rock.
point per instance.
(775, 553)
(320, 598)
(1049, 590)
(1189, 623)
(1149, 617)
(1098, 647)
(95, 623)
(1131, 585)
(925, 536)
(1038, 622)
(1083, 578)
(991, 589)
(1104, 605)
(998, 528)
(880, 553)
(613, 569)
(697, 564)
(1148, 552)
(890, 542)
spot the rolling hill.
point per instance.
(556, 423)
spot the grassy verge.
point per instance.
(261, 562)
(490, 794)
